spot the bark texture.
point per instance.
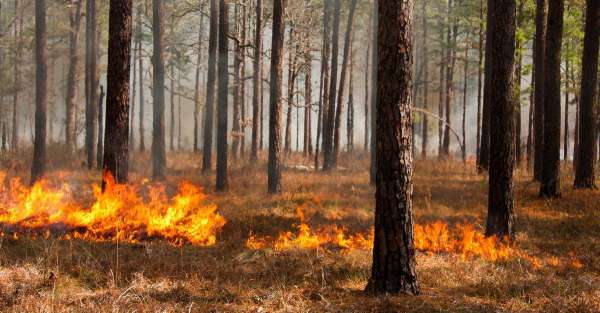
(159, 154)
(222, 131)
(210, 88)
(274, 166)
(38, 166)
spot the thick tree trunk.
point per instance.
(210, 88)
(329, 120)
(117, 92)
(343, 76)
(539, 55)
(222, 93)
(394, 264)
(257, 81)
(38, 166)
(91, 109)
(500, 219)
(585, 174)
(73, 77)
(550, 184)
(159, 154)
(274, 167)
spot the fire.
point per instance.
(120, 213)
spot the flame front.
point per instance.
(119, 213)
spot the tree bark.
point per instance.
(308, 146)
(394, 264)
(350, 113)
(197, 104)
(274, 166)
(484, 163)
(374, 92)
(222, 93)
(464, 108)
(210, 88)
(172, 115)
(500, 219)
(450, 64)
(91, 110)
(292, 59)
(117, 92)
(566, 131)
(539, 55)
(257, 81)
(585, 174)
(425, 121)
(100, 139)
(237, 85)
(141, 82)
(441, 93)
(38, 167)
(550, 184)
(73, 77)
(18, 26)
(324, 84)
(479, 82)
(328, 122)
(343, 76)
(159, 158)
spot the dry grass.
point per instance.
(74, 276)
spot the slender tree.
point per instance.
(329, 117)
(500, 220)
(116, 142)
(479, 81)
(18, 26)
(394, 263)
(588, 113)
(100, 139)
(550, 184)
(38, 167)
(451, 36)
(141, 87)
(425, 121)
(484, 158)
(210, 88)
(324, 84)
(274, 167)
(72, 77)
(374, 91)
(91, 110)
(159, 158)
(308, 145)
(222, 131)
(257, 62)
(197, 103)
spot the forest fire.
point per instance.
(120, 213)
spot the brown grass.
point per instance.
(74, 276)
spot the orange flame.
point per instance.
(119, 213)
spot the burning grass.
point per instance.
(268, 258)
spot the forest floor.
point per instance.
(52, 275)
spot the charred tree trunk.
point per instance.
(274, 167)
(394, 264)
(210, 88)
(117, 92)
(329, 120)
(222, 93)
(500, 219)
(38, 167)
(100, 139)
(159, 154)
(257, 81)
(539, 55)
(585, 175)
(550, 184)
(72, 78)
(343, 76)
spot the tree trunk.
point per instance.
(237, 85)
(179, 110)
(91, 111)
(450, 63)
(484, 151)
(367, 70)
(72, 79)
(576, 139)
(132, 100)
(38, 166)
(350, 113)
(197, 104)
(141, 81)
(517, 86)
(257, 81)
(343, 76)
(500, 219)
(117, 91)
(274, 167)
(210, 88)
(324, 84)
(242, 137)
(479, 83)
(530, 122)
(464, 108)
(585, 175)
(290, 96)
(172, 115)
(566, 134)
(374, 92)
(18, 26)
(329, 120)
(539, 55)
(441, 93)
(394, 264)
(222, 93)
(550, 184)
(425, 121)
(159, 158)
(100, 139)
(308, 146)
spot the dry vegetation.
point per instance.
(74, 276)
